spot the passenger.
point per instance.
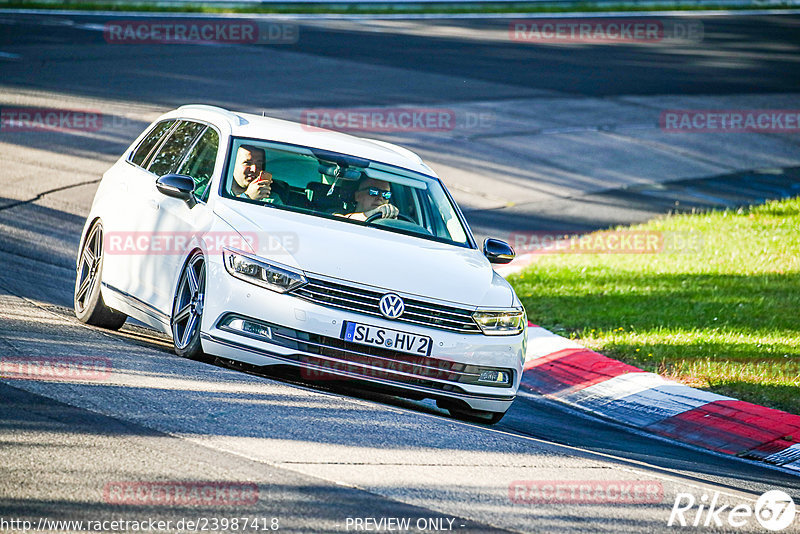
(372, 197)
(250, 180)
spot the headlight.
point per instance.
(500, 323)
(261, 272)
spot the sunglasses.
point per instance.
(374, 192)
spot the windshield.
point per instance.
(336, 186)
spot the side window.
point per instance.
(150, 141)
(199, 164)
(173, 149)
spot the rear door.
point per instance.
(122, 209)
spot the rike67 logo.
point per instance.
(774, 510)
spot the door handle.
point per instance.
(153, 205)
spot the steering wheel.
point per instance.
(399, 216)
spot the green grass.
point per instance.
(722, 315)
(344, 7)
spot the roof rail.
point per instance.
(403, 151)
(230, 115)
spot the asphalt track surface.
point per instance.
(317, 455)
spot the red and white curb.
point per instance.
(561, 369)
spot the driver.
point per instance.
(372, 198)
(250, 180)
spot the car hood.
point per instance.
(371, 256)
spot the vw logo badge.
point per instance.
(392, 306)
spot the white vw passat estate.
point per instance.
(274, 243)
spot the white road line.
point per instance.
(9, 55)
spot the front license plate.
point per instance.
(387, 338)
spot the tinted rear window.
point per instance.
(172, 151)
(150, 141)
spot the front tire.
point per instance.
(187, 308)
(87, 298)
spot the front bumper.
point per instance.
(308, 335)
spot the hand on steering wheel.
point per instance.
(378, 213)
(384, 211)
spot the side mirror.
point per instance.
(177, 186)
(498, 251)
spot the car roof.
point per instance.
(268, 128)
